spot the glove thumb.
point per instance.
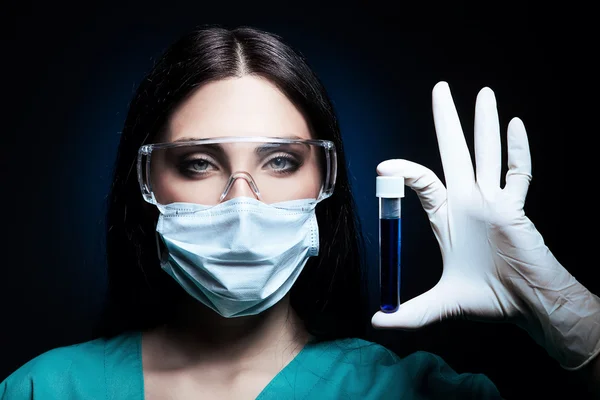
(422, 180)
(419, 311)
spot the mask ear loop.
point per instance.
(243, 175)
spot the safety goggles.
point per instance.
(209, 171)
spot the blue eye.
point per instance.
(199, 165)
(195, 167)
(283, 164)
(280, 163)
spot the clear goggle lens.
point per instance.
(210, 171)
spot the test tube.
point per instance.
(390, 191)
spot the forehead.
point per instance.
(245, 106)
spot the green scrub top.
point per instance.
(342, 369)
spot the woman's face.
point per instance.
(246, 106)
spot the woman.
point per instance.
(242, 198)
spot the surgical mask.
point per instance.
(239, 257)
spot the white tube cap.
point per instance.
(389, 186)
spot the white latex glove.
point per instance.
(496, 266)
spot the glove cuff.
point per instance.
(570, 324)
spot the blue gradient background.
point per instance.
(68, 81)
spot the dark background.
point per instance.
(68, 72)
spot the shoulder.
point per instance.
(62, 371)
(368, 367)
(63, 359)
(354, 351)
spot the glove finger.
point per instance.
(518, 176)
(456, 159)
(488, 150)
(422, 180)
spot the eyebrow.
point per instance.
(266, 148)
(191, 139)
(186, 139)
(258, 150)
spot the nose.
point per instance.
(240, 184)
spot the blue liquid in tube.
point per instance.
(389, 263)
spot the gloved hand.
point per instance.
(496, 266)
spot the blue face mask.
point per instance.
(241, 256)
